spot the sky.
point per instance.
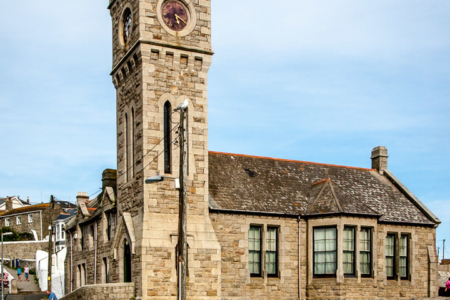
(321, 81)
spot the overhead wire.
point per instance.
(149, 151)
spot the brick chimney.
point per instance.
(8, 204)
(109, 178)
(380, 159)
(82, 197)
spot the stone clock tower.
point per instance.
(161, 56)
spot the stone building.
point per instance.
(258, 228)
(33, 217)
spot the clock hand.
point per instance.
(178, 18)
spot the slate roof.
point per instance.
(3, 200)
(25, 209)
(262, 184)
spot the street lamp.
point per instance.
(6, 233)
(180, 184)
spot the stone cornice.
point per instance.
(159, 44)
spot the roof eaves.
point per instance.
(411, 196)
(289, 160)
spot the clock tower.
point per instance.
(161, 57)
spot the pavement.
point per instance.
(23, 286)
(39, 296)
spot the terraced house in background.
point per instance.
(257, 227)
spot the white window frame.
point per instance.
(30, 218)
(18, 220)
(7, 222)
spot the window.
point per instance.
(167, 137)
(126, 148)
(126, 262)
(30, 218)
(108, 228)
(365, 252)
(19, 220)
(105, 270)
(7, 222)
(325, 251)
(390, 256)
(63, 237)
(349, 251)
(403, 253)
(132, 144)
(254, 248)
(271, 251)
(83, 274)
(82, 237)
(57, 232)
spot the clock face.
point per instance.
(175, 15)
(127, 26)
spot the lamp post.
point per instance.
(182, 214)
(6, 233)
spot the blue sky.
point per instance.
(322, 81)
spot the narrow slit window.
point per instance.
(365, 252)
(390, 256)
(167, 137)
(272, 251)
(125, 152)
(132, 144)
(349, 251)
(254, 251)
(403, 253)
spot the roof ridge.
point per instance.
(290, 160)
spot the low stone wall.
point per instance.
(23, 251)
(117, 291)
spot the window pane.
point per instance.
(319, 257)
(319, 268)
(390, 245)
(324, 251)
(319, 245)
(254, 249)
(390, 266)
(330, 268)
(271, 239)
(271, 262)
(403, 245)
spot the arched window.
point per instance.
(167, 137)
(126, 262)
(125, 152)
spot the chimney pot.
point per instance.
(28, 199)
(109, 178)
(82, 197)
(380, 159)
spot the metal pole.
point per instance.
(443, 251)
(50, 248)
(182, 245)
(2, 265)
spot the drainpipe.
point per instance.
(71, 262)
(40, 216)
(299, 260)
(95, 253)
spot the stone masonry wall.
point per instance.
(26, 226)
(77, 257)
(232, 233)
(23, 250)
(117, 291)
(163, 67)
(377, 286)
